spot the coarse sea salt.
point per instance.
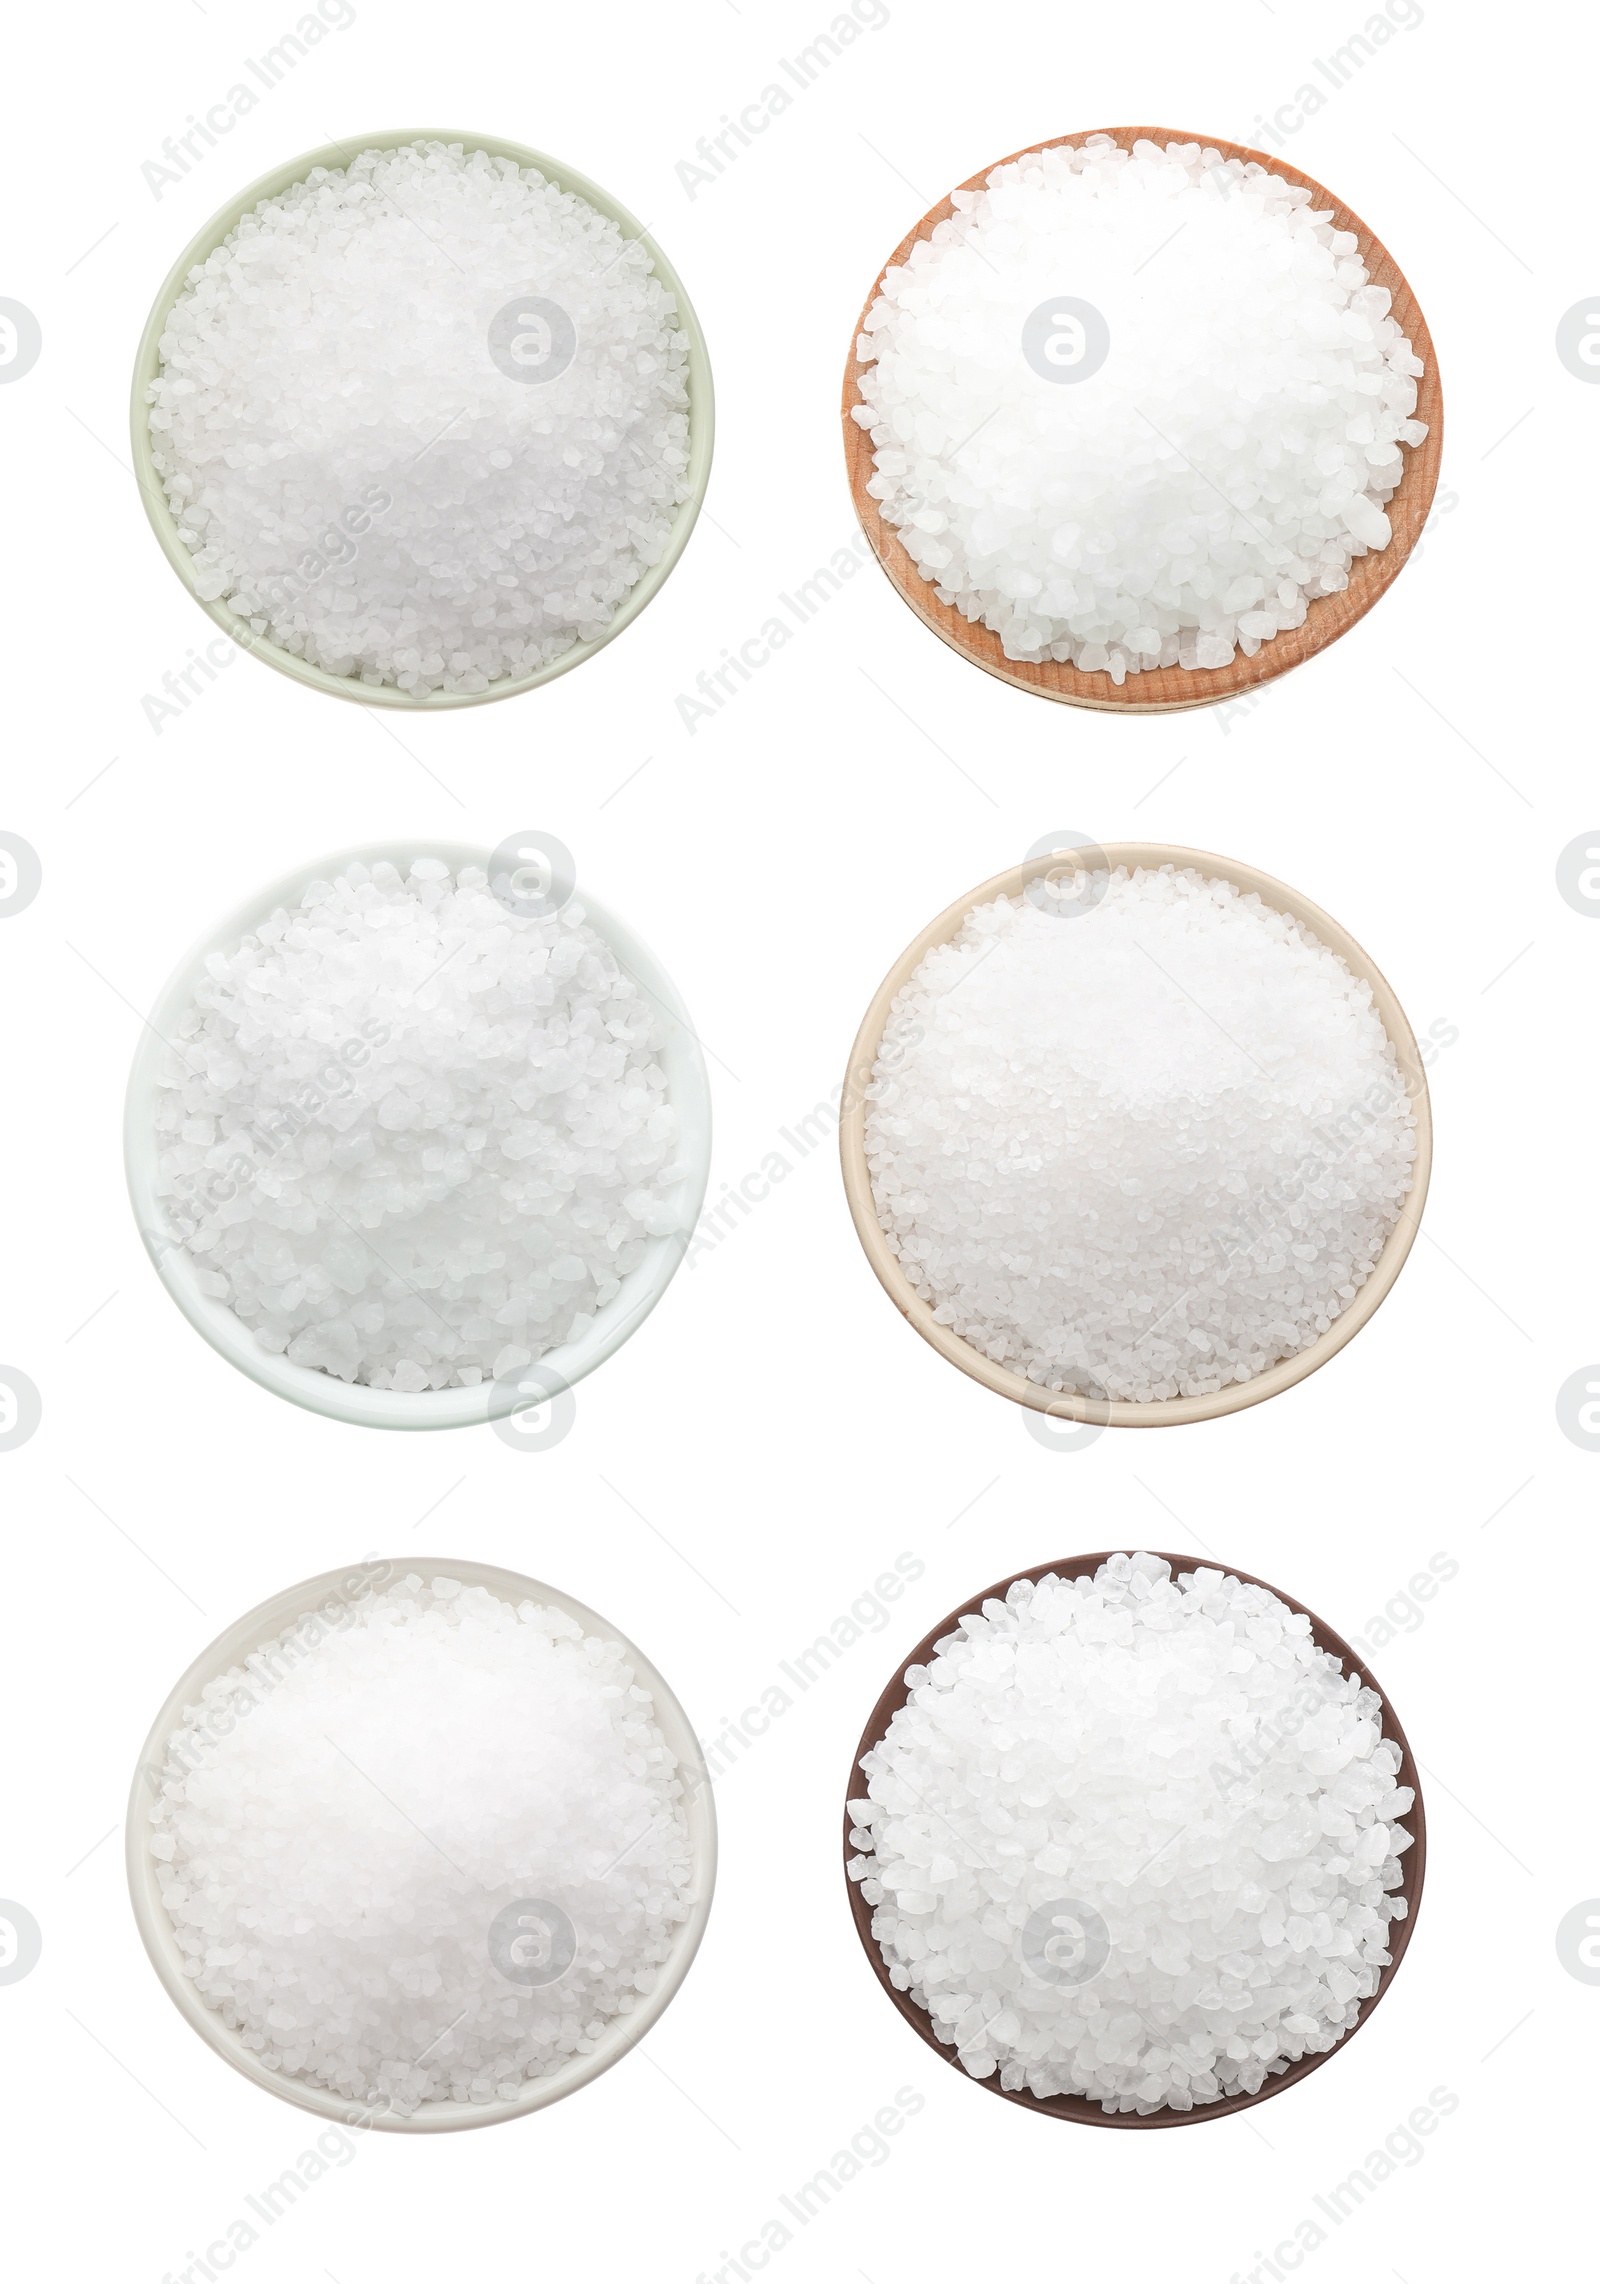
(1187, 497)
(1134, 1838)
(1138, 1143)
(350, 1829)
(412, 1139)
(361, 478)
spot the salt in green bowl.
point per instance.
(164, 524)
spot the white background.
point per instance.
(775, 1436)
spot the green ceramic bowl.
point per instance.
(147, 364)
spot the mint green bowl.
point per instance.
(148, 362)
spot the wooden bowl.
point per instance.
(1079, 2108)
(1170, 689)
(1172, 1411)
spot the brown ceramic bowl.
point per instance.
(1170, 689)
(1077, 2107)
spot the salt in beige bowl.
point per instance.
(1174, 1411)
(264, 1625)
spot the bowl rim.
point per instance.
(254, 1631)
(1408, 510)
(688, 1089)
(335, 155)
(1081, 2109)
(1169, 1411)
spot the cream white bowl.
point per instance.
(264, 1624)
(687, 1090)
(1168, 1411)
(164, 523)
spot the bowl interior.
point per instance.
(264, 1624)
(318, 1391)
(1173, 1411)
(334, 155)
(1170, 689)
(1078, 2108)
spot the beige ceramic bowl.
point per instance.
(264, 1625)
(1174, 1411)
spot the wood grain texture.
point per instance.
(1173, 1411)
(1078, 2108)
(1170, 689)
